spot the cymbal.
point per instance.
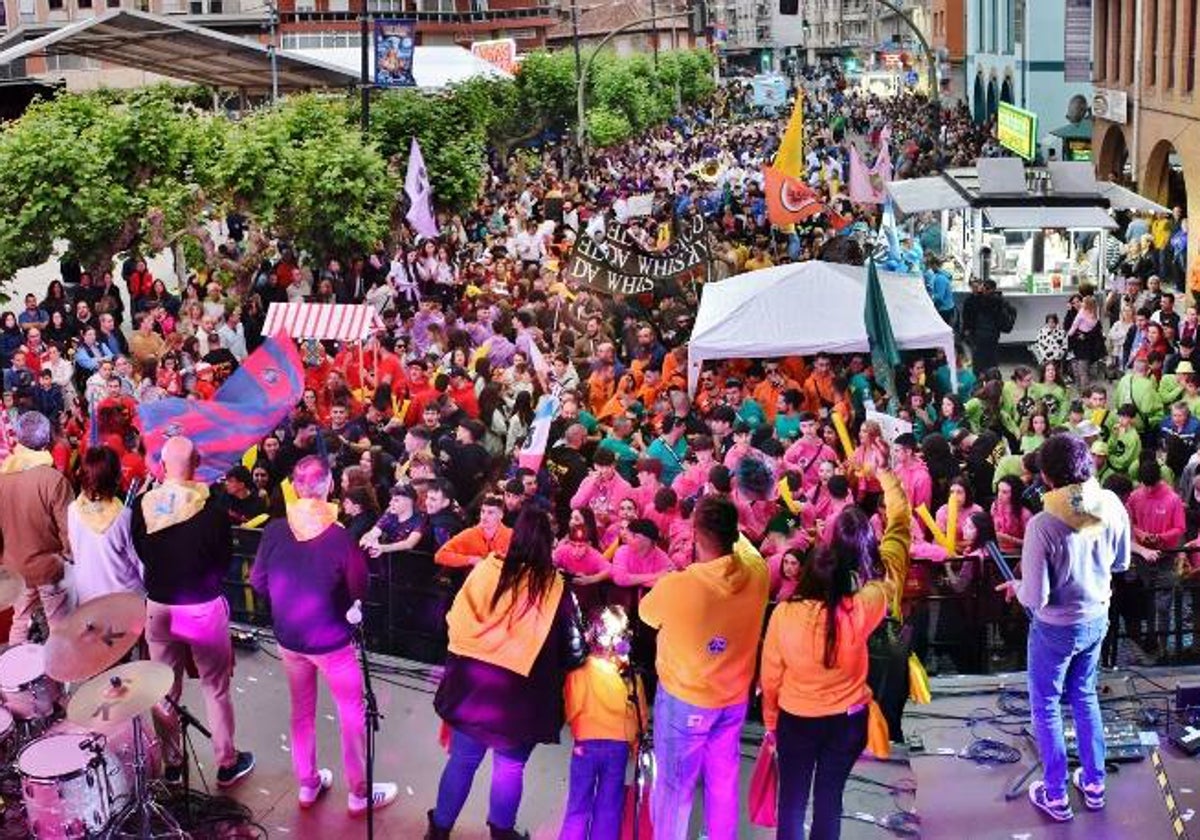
(119, 695)
(95, 636)
(11, 587)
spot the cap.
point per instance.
(457, 371)
(645, 528)
(1100, 448)
(202, 367)
(1184, 367)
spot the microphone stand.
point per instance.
(372, 717)
(643, 748)
(186, 719)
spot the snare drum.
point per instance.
(64, 788)
(27, 691)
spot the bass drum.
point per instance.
(67, 792)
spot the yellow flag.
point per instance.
(250, 457)
(790, 158)
(289, 492)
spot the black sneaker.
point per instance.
(234, 773)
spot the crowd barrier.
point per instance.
(953, 617)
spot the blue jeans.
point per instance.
(1062, 664)
(816, 754)
(689, 740)
(508, 777)
(597, 793)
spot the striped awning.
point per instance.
(324, 321)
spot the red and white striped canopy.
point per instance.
(324, 321)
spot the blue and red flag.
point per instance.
(251, 403)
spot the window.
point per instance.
(57, 62)
(1189, 56)
(114, 4)
(55, 5)
(1168, 44)
(85, 4)
(1150, 27)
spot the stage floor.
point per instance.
(954, 797)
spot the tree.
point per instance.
(82, 169)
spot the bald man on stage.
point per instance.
(183, 539)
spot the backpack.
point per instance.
(1008, 316)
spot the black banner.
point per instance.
(619, 265)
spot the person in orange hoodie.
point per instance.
(814, 661)
(818, 388)
(773, 385)
(709, 619)
(604, 720)
(510, 633)
(471, 545)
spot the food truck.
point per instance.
(1038, 232)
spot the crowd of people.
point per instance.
(655, 509)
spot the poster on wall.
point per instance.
(1077, 45)
(395, 43)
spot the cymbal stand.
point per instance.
(186, 720)
(143, 810)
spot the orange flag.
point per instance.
(790, 201)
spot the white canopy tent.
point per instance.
(801, 309)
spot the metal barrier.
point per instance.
(951, 609)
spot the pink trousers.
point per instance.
(341, 671)
(171, 631)
(53, 600)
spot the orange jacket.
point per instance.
(598, 702)
(461, 549)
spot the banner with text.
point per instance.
(619, 265)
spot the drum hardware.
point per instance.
(124, 694)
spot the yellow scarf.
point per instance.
(309, 518)
(511, 635)
(97, 514)
(173, 503)
(22, 459)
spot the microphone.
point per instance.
(93, 742)
(354, 614)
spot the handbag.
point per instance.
(764, 787)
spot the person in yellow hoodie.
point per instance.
(513, 633)
(815, 662)
(709, 619)
(604, 722)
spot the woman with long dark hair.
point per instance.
(514, 631)
(814, 661)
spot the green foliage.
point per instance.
(607, 127)
(114, 170)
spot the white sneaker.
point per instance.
(309, 795)
(384, 794)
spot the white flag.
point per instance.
(420, 193)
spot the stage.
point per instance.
(954, 796)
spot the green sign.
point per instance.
(1016, 130)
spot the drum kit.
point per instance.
(84, 758)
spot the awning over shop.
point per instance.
(178, 50)
(1081, 130)
(323, 321)
(1035, 218)
(923, 195)
(1121, 198)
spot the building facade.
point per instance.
(947, 36)
(1015, 53)
(1146, 130)
(597, 21)
(295, 24)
